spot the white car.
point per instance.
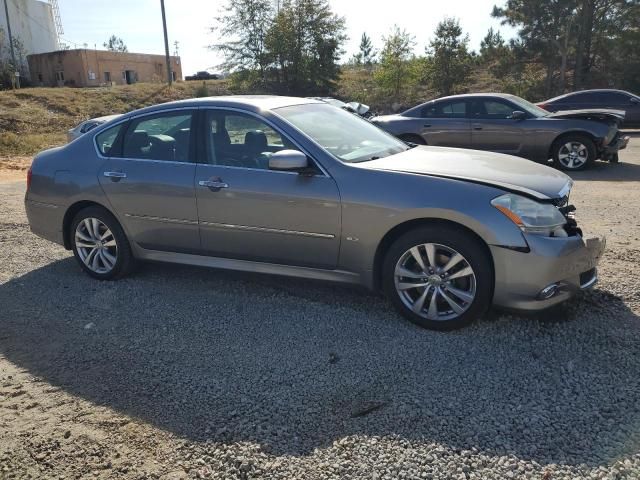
(88, 125)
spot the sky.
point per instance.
(139, 24)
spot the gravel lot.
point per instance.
(181, 372)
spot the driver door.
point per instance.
(492, 127)
(247, 211)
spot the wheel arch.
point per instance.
(402, 228)
(71, 212)
(558, 137)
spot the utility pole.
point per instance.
(13, 54)
(166, 43)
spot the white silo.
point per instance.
(33, 28)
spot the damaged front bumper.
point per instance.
(554, 269)
(610, 151)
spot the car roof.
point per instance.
(254, 103)
(592, 90)
(463, 96)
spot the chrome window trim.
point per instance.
(231, 226)
(151, 160)
(278, 130)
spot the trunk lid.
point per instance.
(504, 171)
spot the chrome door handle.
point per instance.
(115, 174)
(212, 184)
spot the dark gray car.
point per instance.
(509, 124)
(298, 187)
(598, 98)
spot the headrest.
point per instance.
(255, 140)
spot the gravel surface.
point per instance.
(180, 372)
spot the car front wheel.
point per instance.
(438, 277)
(100, 245)
(573, 152)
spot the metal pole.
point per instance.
(13, 54)
(166, 43)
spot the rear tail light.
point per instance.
(29, 175)
(543, 105)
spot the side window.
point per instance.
(614, 98)
(106, 139)
(445, 110)
(238, 140)
(581, 98)
(165, 136)
(497, 110)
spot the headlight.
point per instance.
(531, 216)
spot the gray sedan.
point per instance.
(509, 124)
(298, 187)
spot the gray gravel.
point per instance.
(181, 372)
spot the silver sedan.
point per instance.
(87, 126)
(298, 187)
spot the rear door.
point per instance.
(493, 128)
(149, 181)
(445, 123)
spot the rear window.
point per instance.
(106, 139)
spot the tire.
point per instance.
(113, 258)
(473, 291)
(412, 138)
(573, 152)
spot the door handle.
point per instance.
(477, 127)
(115, 176)
(426, 125)
(213, 184)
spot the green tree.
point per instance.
(492, 45)
(243, 28)
(115, 44)
(546, 28)
(305, 43)
(395, 72)
(367, 53)
(450, 64)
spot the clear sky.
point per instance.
(139, 23)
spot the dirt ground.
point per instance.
(179, 372)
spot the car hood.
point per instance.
(600, 114)
(503, 171)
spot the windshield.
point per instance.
(528, 106)
(345, 135)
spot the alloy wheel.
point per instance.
(573, 155)
(435, 281)
(96, 245)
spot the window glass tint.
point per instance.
(613, 98)
(106, 139)
(159, 137)
(238, 140)
(445, 110)
(580, 98)
(491, 109)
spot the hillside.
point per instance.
(33, 119)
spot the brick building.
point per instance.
(93, 68)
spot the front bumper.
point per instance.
(611, 150)
(569, 264)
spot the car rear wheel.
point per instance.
(573, 152)
(438, 277)
(100, 245)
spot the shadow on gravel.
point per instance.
(609, 172)
(295, 365)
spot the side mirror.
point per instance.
(518, 115)
(634, 100)
(288, 160)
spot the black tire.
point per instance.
(559, 149)
(475, 255)
(412, 138)
(124, 262)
